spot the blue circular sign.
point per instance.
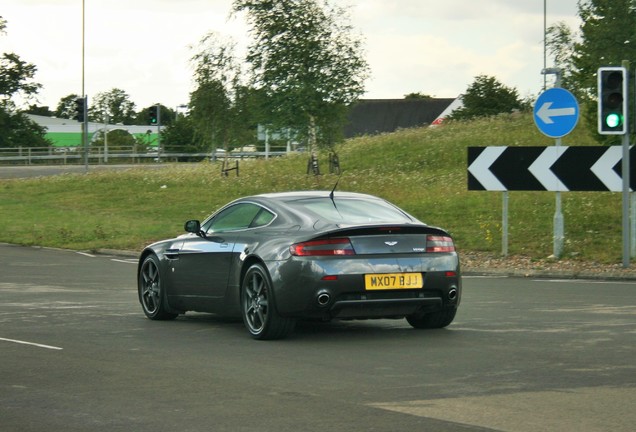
(556, 112)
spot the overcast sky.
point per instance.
(436, 47)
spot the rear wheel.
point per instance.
(151, 291)
(432, 320)
(259, 309)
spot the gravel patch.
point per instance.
(523, 266)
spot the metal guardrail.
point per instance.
(31, 155)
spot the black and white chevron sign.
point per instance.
(548, 168)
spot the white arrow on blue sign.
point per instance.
(556, 112)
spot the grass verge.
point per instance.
(421, 170)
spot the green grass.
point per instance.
(421, 170)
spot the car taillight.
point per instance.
(327, 247)
(436, 243)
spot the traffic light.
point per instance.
(80, 109)
(612, 100)
(153, 116)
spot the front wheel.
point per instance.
(439, 319)
(258, 308)
(151, 291)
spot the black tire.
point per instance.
(433, 320)
(151, 291)
(259, 309)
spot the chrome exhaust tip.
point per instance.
(323, 299)
(452, 294)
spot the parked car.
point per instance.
(275, 258)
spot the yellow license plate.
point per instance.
(385, 281)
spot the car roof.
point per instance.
(313, 194)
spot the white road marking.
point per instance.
(31, 343)
(578, 281)
(129, 261)
(587, 281)
(86, 254)
(485, 277)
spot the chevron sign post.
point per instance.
(556, 169)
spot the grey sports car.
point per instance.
(275, 258)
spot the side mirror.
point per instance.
(193, 226)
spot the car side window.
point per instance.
(262, 218)
(238, 217)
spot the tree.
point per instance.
(417, 95)
(39, 110)
(308, 63)
(606, 36)
(16, 76)
(17, 130)
(116, 104)
(487, 97)
(16, 79)
(66, 107)
(220, 102)
(179, 137)
(117, 139)
(560, 41)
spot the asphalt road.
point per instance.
(27, 171)
(77, 354)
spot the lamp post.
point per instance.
(545, 43)
(85, 122)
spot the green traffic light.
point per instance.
(613, 120)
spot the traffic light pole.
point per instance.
(85, 133)
(155, 119)
(159, 132)
(626, 181)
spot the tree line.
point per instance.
(303, 70)
(304, 67)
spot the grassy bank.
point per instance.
(421, 170)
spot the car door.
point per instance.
(205, 262)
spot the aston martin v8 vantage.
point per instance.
(273, 259)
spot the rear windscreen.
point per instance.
(348, 210)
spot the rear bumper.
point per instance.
(380, 308)
(302, 291)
